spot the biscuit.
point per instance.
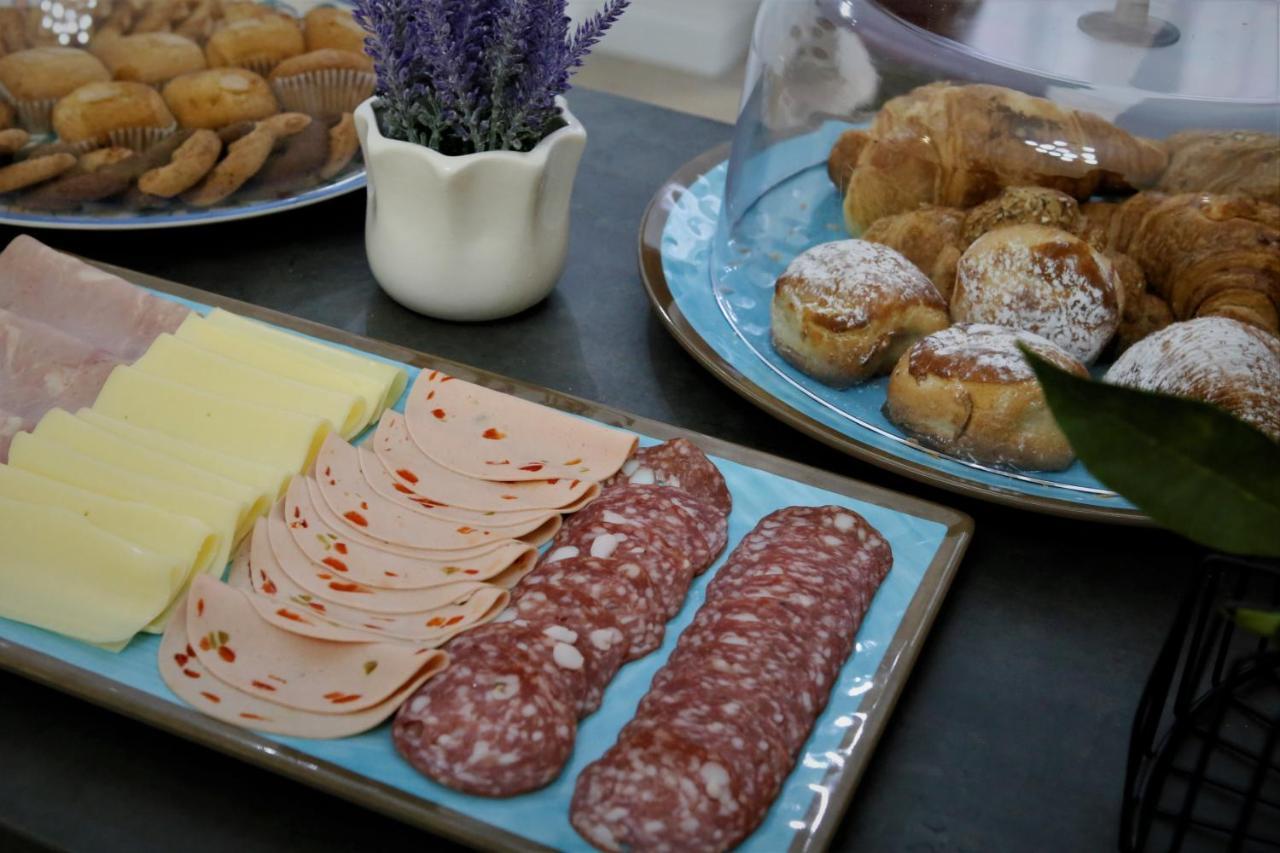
(190, 163)
(297, 163)
(218, 97)
(92, 161)
(16, 176)
(344, 142)
(12, 140)
(244, 158)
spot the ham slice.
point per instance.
(42, 368)
(100, 309)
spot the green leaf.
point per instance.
(1190, 466)
(1265, 623)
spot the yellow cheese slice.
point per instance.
(260, 433)
(64, 428)
(51, 459)
(200, 368)
(179, 536)
(273, 480)
(392, 379)
(282, 361)
(62, 573)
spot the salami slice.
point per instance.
(489, 435)
(743, 686)
(190, 681)
(599, 638)
(677, 463)
(490, 728)
(427, 479)
(321, 534)
(623, 587)
(553, 648)
(682, 520)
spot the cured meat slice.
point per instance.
(238, 647)
(623, 587)
(489, 435)
(387, 486)
(193, 683)
(740, 691)
(110, 314)
(10, 425)
(427, 479)
(553, 648)
(321, 534)
(489, 725)
(42, 368)
(677, 463)
(660, 791)
(689, 522)
(302, 595)
(600, 639)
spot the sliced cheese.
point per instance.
(62, 573)
(263, 434)
(64, 428)
(391, 378)
(197, 367)
(274, 480)
(51, 459)
(281, 361)
(188, 540)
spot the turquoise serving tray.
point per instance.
(928, 541)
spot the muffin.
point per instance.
(329, 27)
(35, 79)
(153, 58)
(131, 115)
(326, 82)
(218, 97)
(258, 44)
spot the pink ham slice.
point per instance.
(192, 682)
(100, 309)
(42, 368)
(488, 435)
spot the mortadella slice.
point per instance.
(10, 425)
(341, 485)
(42, 368)
(489, 435)
(100, 309)
(321, 535)
(190, 681)
(427, 479)
(238, 647)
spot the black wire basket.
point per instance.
(1204, 756)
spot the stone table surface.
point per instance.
(1011, 734)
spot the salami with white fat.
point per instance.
(677, 463)
(714, 739)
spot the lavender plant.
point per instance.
(462, 76)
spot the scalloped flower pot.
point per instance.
(472, 237)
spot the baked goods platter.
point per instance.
(164, 113)
(503, 658)
(900, 346)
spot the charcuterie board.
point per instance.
(723, 321)
(927, 543)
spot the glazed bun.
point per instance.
(1214, 359)
(969, 392)
(844, 312)
(219, 97)
(1043, 280)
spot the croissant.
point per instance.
(1207, 255)
(959, 145)
(1240, 162)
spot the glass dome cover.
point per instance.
(959, 101)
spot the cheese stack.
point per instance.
(108, 513)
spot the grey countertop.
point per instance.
(1013, 729)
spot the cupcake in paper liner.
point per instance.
(116, 113)
(153, 58)
(258, 44)
(326, 82)
(32, 81)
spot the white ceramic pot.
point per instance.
(471, 237)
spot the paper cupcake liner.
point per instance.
(34, 116)
(326, 92)
(259, 64)
(139, 138)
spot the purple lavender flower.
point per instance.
(462, 76)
